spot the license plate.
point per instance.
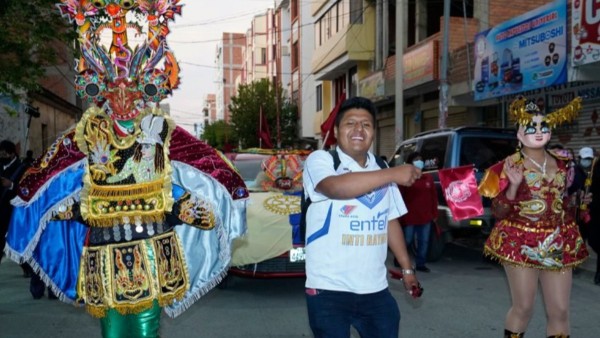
(297, 255)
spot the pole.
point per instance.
(401, 19)
(260, 123)
(276, 79)
(443, 114)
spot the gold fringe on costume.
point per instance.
(129, 276)
(105, 205)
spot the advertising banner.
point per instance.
(585, 42)
(524, 53)
(421, 65)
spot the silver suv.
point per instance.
(455, 147)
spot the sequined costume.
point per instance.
(126, 212)
(536, 229)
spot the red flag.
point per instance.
(263, 132)
(327, 127)
(459, 188)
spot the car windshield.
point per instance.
(250, 169)
(260, 172)
(484, 152)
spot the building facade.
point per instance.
(229, 60)
(41, 117)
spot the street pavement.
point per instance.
(465, 295)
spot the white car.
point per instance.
(272, 246)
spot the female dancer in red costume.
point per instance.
(535, 236)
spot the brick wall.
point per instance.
(458, 65)
(502, 10)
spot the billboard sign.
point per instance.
(524, 53)
(585, 40)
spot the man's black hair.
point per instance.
(358, 103)
(8, 147)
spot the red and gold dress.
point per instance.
(536, 229)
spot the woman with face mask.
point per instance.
(535, 237)
(421, 202)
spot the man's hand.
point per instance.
(406, 174)
(412, 285)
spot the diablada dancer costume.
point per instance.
(127, 213)
(535, 227)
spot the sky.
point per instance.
(193, 39)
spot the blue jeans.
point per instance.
(421, 232)
(331, 313)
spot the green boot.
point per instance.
(510, 334)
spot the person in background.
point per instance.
(28, 160)
(584, 169)
(422, 205)
(575, 175)
(11, 170)
(593, 234)
(352, 220)
(37, 286)
(535, 237)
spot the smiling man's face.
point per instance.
(355, 132)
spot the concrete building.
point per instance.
(354, 47)
(229, 60)
(209, 114)
(260, 51)
(355, 51)
(41, 117)
(344, 49)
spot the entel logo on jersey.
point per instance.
(377, 223)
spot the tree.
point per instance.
(246, 108)
(219, 134)
(30, 35)
(289, 124)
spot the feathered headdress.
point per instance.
(125, 64)
(522, 111)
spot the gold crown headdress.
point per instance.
(522, 112)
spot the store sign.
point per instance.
(420, 65)
(373, 86)
(524, 53)
(585, 41)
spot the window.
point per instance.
(433, 151)
(328, 28)
(356, 12)
(294, 7)
(403, 152)
(484, 152)
(319, 98)
(353, 77)
(295, 56)
(263, 56)
(332, 22)
(318, 41)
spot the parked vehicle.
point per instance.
(272, 246)
(454, 147)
